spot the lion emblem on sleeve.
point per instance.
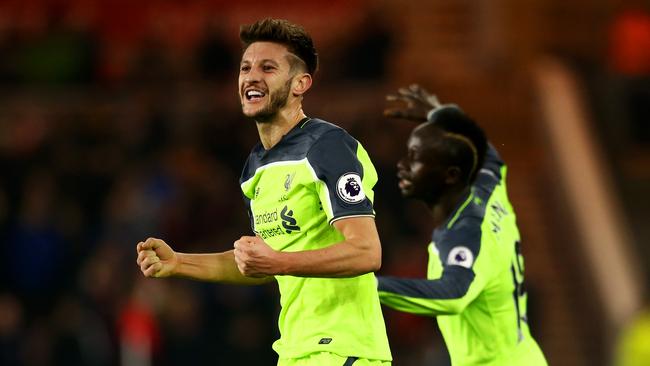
(349, 188)
(352, 187)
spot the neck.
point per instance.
(447, 204)
(271, 132)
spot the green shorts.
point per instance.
(330, 359)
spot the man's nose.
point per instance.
(254, 75)
(401, 164)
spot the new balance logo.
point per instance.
(325, 341)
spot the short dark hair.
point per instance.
(454, 123)
(281, 31)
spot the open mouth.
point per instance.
(254, 95)
(403, 181)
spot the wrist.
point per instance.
(282, 263)
(175, 264)
(431, 114)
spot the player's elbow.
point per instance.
(455, 307)
(372, 260)
(374, 263)
(458, 301)
(367, 257)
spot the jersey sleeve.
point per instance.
(492, 163)
(344, 174)
(251, 219)
(464, 276)
(247, 193)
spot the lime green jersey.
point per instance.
(632, 346)
(315, 175)
(475, 279)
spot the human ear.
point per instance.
(301, 83)
(453, 175)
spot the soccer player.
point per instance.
(308, 189)
(475, 277)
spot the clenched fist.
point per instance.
(255, 258)
(156, 258)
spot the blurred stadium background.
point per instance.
(119, 120)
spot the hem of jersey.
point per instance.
(341, 353)
(333, 220)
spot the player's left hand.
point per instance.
(414, 103)
(255, 258)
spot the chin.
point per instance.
(249, 111)
(262, 116)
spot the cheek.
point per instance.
(418, 170)
(424, 176)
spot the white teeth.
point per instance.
(254, 93)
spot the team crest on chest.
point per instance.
(349, 188)
(288, 180)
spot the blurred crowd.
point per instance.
(111, 132)
(81, 185)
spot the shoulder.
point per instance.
(323, 132)
(329, 141)
(318, 127)
(470, 215)
(459, 241)
(466, 229)
(251, 164)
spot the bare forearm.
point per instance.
(214, 267)
(339, 260)
(357, 254)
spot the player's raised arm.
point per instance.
(416, 104)
(413, 103)
(157, 259)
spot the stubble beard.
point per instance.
(278, 100)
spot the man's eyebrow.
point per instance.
(266, 60)
(270, 61)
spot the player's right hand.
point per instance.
(156, 258)
(416, 103)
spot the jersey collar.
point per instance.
(261, 151)
(459, 209)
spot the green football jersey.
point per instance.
(475, 279)
(315, 175)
